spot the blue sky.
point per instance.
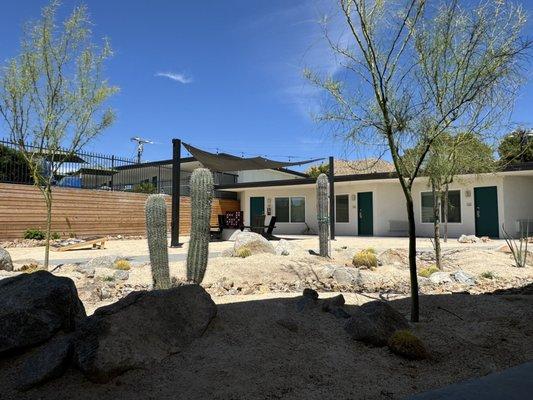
(233, 73)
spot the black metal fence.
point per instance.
(86, 170)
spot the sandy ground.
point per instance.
(245, 354)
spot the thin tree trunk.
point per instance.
(48, 201)
(412, 260)
(445, 216)
(436, 224)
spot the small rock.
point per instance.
(47, 362)
(283, 247)
(440, 278)
(254, 242)
(346, 275)
(375, 322)
(86, 270)
(121, 275)
(468, 239)
(333, 302)
(464, 278)
(5, 260)
(103, 262)
(288, 324)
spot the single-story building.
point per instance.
(373, 204)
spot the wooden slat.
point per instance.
(89, 212)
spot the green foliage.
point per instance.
(243, 252)
(156, 234)
(145, 187)
(322, 186)
(35, 234)
(370, 250)
(488, 275)
(202, 189)
(406, 344)
(518, 247)
(365, 259)
(426, 272)
(516, 147)
(124, 265)
(108, 279)
(13, 166)
(316, 170)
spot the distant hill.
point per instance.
(363, 166)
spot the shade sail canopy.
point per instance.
(227, 162)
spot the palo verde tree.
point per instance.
(52, 96)
(411, 73)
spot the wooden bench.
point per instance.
(93, 242)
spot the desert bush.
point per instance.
(243, 252)
(365, 259)
(145, 187)
(36, 234)
(426, 272)
(370, 250)
(406, 344)
(124, 265)
(488, 275)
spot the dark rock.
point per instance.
(5, 260)
(313, 294)
(47, 362)
(305, 303)
(288, 324)
(333, 302)
(34, 307)
(339, 312)
(375, 322)
(141, 328)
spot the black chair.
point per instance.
(270, 228)
(258, 224)
(216, 231)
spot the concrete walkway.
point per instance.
(511, 384)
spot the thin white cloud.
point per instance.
(181, 78)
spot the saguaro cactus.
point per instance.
(156, 232)
(322, 184)
(201, 198)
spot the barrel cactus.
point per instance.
(201, 198)
(156, 232)
(322, 184)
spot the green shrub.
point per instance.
(124, 265)
(370, 250)
(488, 275)
(426, 272)
(145, 187)
(243, 252)
(55, 236)
(406, 344)
(36, 234)
(365, 259)
(109, 279)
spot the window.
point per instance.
(297, 209)
(454, 207)
(341, 208)
(282, 209)
(290, 209)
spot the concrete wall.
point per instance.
(263, 175)
(515, 201)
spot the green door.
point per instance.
(365, 217)
(486, 203)
(257, 207)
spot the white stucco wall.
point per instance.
(263, 175)
(515, 201)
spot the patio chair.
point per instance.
(258, 224)
(216, 231)
(270, 228)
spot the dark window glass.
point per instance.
(297, 209)
(282, 209)
(427, 207)
(454, 206)
(341, 208)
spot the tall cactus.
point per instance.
(322, 184)
(156, 232)
(201, 198)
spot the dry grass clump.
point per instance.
(31, 267)
(406, 344)
(124, 265)
(488, 275)
(243, 252)
(365, 259)
(426, 272)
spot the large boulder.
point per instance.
(375, 322)
(34, 307)
(141, 328)
(440, 278)
(5, 260)
(254, 242)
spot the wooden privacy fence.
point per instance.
(84, 212)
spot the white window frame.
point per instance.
(290, 209)
(342, 194)
(440, 211)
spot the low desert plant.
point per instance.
(518, 246)
(365, 259)
(55, 236)
(488, 275)
(243, 252)
(108, 279)
(370, 250)
(426, 272)
(406, 344)
(145, 187)
(31, 267)
(35, 234)
(124, 265)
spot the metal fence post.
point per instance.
(112, 172)
(176, 183)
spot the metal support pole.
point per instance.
(331, 198)
(176, 181)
